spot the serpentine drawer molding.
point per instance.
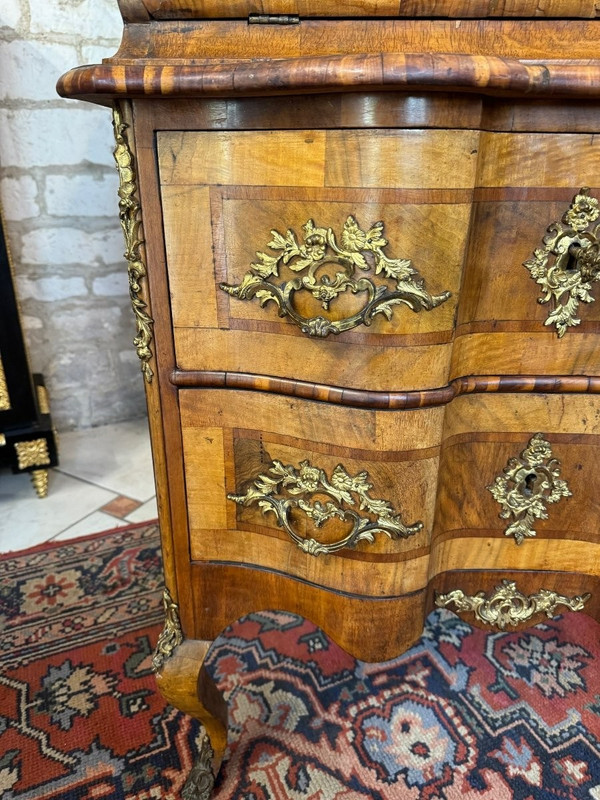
(319, 447)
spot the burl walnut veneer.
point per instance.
(363, 251)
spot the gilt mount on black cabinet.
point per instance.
(27, 438)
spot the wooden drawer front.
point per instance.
(224, 193)
(526, 183)
(232, 438)
(481, 436)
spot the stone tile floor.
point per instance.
(104, 480)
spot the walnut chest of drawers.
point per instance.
(363, 251)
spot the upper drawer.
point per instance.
(362, 232)
(382, 259)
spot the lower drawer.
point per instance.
(518, 497)
(360, 519)
(341, 498)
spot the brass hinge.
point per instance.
(273, 19)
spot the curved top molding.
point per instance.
(205, 9)
(487, 75)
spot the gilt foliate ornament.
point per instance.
(283, 488)
(4, 397)
(171, 635)
(131, 222)
(32, 453)
(569, 262)
(314, 257)
(201, 780)
(506, 605)
(528, 484)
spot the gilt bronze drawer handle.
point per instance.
(507, 605)
(284, 488)
(310, 259)
(528, 484)
(569, 262)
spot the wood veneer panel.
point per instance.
(519, 414)
(500, 325)
(481, 434)
(183, 9)
(432, 235)
(315, 111)
(467, 468)
(566, 116)
(430, 159)
(528, 39)
(214, 331)
(538, 160)
(230, 438)
(504, 235)
(225, 593)
(371, 366)
(526, 353)
(568, 555)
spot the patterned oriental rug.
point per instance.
(463, 714)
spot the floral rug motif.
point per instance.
(463, 714)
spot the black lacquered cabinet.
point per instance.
(27, 438)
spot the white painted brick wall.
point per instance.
(58, 186)
(20, 198)
(86, 195)
(65, 245)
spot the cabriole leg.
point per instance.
(184, 682)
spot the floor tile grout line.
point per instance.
(101, 485)
(87, 516)
(72, 525)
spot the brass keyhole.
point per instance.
(529, 484)
(572, 264)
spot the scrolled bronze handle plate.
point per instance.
(506, 605)
(568, 262)
(309, 259)
(283, 488)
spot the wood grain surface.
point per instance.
(365, 159)
(222, 180)
(485, 74)
(467, 138)
(428, 43)
(368, 628)
(230, 439)
(481, 435)
(192, 9)
(497, 191)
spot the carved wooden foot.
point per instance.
(39, 478)
(184, 682)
